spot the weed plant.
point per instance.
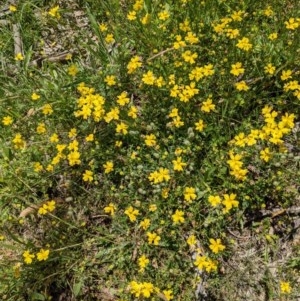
(125, 167)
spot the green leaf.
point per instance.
(37, 296)
(77, 288)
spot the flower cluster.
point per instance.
(155, 133)
(229, 201)
(42, 255)
(47, 207)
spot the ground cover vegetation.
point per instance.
(149, 150)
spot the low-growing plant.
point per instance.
(135, 158)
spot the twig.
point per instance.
(159, 54)
(17, 39)
(60, 57)
(238, 237)
(274, 213)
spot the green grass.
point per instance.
(139, 161)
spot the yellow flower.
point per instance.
(149, 78)
(108, 167)
(41, 128)
(173, 113)
(201, 262)
(132, 112)
(43, 209)
(134, 63)
(109, 39)
(291, 85)
(286, 74)
(240, 140)
(160, 82)
(237, 69)
(145, 223)
(273, 36)
(143, 261)
(178, 151)
(285, 287)
(242, 86)
(7, 120)
(12, 8)
(103, 27)
(164, 15)
(113, 114)
(110, 209)
(28, 257)
(210, 265)
(178, 164)
(131, 15)
(131, 213)
(214, 200)
(54, 12)
(73, 70)
(60, 147)
(168, 294)
(292, 24)
(51, 205)
(150, 140)
(38, 167)
(216, 245)
(110, 80)
(191, 240)
(185, 25)
(159, 176)
(146, 19)
(204, 263)
(18, 141)
(178, 217)
(208, 70)
(88, 176)
(42, 255)
(189, 57)
(138, 5)
(190, 194)
(35, 96)
(152, 208)
(207, 106)
(165, 193)
(229, 202)
(244, 44)
(122, 128)
(47, 109)
(19, 57)
(49, 167)
(122, 99)
(191, 38)
(265, 154)
(153, 238)
(144, 289)
(268, 11)
(179, 42)
(232, 33)
(118, 143)
(270, 69)
(69, 56)
(237, 15)
(199, 125)
(74, 158)
(89, 138)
